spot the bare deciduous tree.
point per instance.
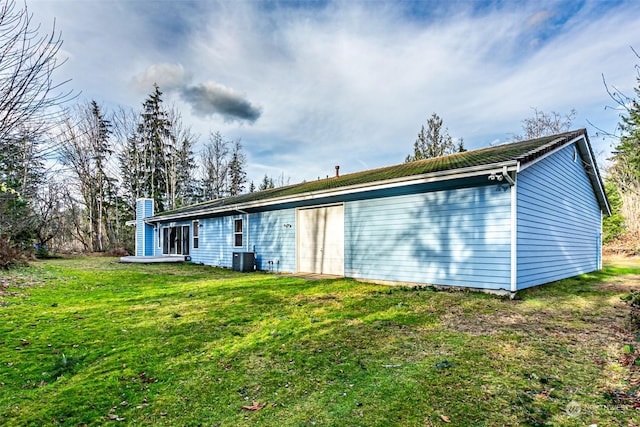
(27, 62)
(86, 149)
(215, 166)
(180, 163)
(29, 101)
(543, 124)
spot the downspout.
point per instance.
(514, 229)
(600, 242)
(504, 175)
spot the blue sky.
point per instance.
(310, 85)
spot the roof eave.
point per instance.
(588, 157)
(512, 165)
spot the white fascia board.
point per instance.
(550, 153)
(582, 140)
(592, 162)
(472, 171)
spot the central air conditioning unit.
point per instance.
(244, 262)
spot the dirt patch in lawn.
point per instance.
(604, 327)
(621, 260)
(626, 283)
(13, 287)
(599, 321)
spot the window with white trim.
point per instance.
(237, 233)
(196, 233)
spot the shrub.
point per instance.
(633, 301)
(10, 254)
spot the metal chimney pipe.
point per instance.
(337, 171)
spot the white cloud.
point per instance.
(351, 84)
(166, 75)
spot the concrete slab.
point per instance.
(314, 276)
(152, 259)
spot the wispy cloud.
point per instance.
(342, 82)
(166, 75)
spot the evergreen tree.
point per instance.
(623, 176)
(187, 186)
(627, 155)
(105, 191)
(132, 170)
(180, 163)
(237, 173)
(267, 182)
(613, 226)
(434, 141)
(154, 134)
(87, 149)
(21, 173)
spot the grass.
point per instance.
(91, 342)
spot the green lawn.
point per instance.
(91, 341)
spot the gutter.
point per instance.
(495, 169)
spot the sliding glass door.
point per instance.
(175, 240)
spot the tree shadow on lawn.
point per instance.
(332, 351)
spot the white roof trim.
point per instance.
(554, 151)
(582, 140)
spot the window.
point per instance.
(196, 233)
(175, 240)
(237, 233)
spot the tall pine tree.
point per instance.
(624, 173)
(154, 133)
(434, 141)
(237, 173)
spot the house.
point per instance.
(502, 218)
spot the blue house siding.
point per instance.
(273, 236)
(157, 239)
(264, 233)
(559, 220)
(216, 242)
(458, 237)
